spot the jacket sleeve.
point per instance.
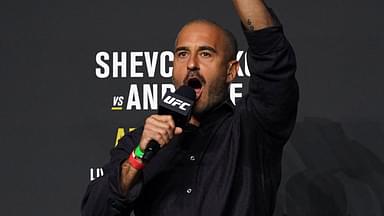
(273, 91)
(103, 196)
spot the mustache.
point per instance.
(193, 74)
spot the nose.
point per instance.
(193, 63)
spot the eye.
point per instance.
(182, 54)
(205, 54)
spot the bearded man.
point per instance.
(227, 160)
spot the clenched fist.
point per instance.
(160, 128)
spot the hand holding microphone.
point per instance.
(175, 110)
(159, 128)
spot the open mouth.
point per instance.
(197, 85)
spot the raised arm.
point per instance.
(273, 92)
(253, 14)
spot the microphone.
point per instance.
(179, 105)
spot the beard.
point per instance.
(216, 94)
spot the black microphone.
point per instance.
(179, 105)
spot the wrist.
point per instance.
(135, 162)
(139, 153)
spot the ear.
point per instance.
(233, 67)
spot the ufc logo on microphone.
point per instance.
(176, 102)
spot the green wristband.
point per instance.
(138, 152)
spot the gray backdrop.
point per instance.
(57, 123)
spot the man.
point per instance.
(227, 160)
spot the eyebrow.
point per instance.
(184, 48)
(207, 48)
(181, 49)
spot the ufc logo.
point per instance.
(176, 102)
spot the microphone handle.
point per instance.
(152, 148)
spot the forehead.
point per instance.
(200, 34)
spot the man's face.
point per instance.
(201, 63)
